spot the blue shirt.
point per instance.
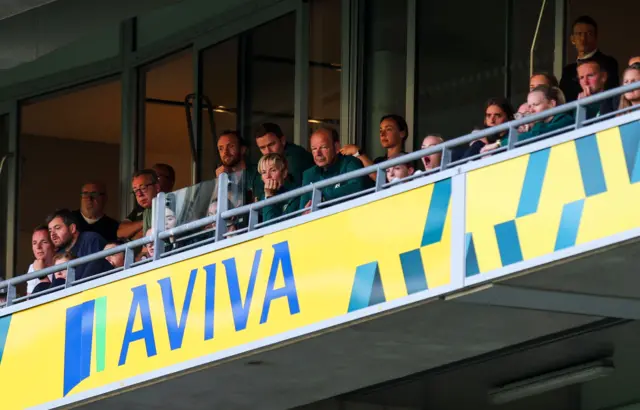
(87, 244)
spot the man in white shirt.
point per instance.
(43, 251)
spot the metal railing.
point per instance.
(224, 217)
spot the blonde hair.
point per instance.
(278, 160)
(624, 103)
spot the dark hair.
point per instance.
(64, 255)
(41, 228)
(268, 128)
(585, 20)
(400, 123)
(335, 137)
(504, 105)
(117, 242)
(408, 164)
(171, 173)
(66, 215)
(551, 93)
(551, 79)
(235, 134)
(143, 172)
(590, 60)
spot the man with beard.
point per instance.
(393, 134)
(232, 150)
(91, 216)
(66, 237)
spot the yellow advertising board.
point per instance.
(553, 199)
(286, 280)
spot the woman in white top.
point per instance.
(43, 251)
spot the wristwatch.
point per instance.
(357, 154)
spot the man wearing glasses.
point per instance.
(145, 187)
(91, 216)
(584, 38)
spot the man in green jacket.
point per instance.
(271, 140)
(325, 148)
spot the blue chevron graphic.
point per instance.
(630, 138)
(590, 165)
(569, 224)
(5, 322)
(434, 225)
(413, 271)
(508, 243)
(532, 185)
(471, 259)
(367, 287)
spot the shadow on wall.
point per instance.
(52, 173)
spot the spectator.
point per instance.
(60, 278)
(66, 237)
(145, 187)
(393, 134)
(91, 216)
(585, 39)
(523, 111)
(399, 172)
(3, 297)
(166, 177)
(634, 60)
(541, 78)
(213, 209)
(630, 75)
(432, 161)
(593, 80)
(149, 246)
(544, 98)
(115, 260)
(325, 147)
(43, 252)
(274, 171)
(232, 150)
(497, 111)
(270, 139)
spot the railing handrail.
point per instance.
(160, 233)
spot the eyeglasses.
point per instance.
(91, 194)
(142, 189)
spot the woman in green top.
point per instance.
(273, 169)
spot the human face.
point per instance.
(169, 218)
(431, 161)
(494, 116)
(41, 245)
(324, 151)
(270, 144)
(538, 103)
(145, 190)
(116, 260)
(149, 246)
(61, 234)
(271, 172)
(537, 80)
(213, 208)
(390, 134)
(230, 150)
(165, 182)
(523, 111)
(584, 38)
(398, 172)
(591, 77)
(631, 76)
(93, 198)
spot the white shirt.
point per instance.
(89, 220)
(31, 284)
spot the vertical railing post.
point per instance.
(158, 220)
(381, 178)
(316, 198)
(446, 158)
(11, 294)
(129, 257)
(253, 219)
(581, 114)
(512, 138)
(223, 199)
(71, 276)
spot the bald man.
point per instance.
(91, 216)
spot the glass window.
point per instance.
(66, 141)
(385, 69)
(460, 64)
(324, 64)
(166, 135)
(4, 193)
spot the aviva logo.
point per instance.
(83, 323)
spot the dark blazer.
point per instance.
(570, 85)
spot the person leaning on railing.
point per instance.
(274, 170)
